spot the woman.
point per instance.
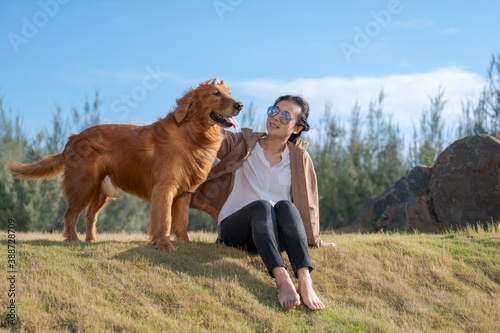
(263, 194)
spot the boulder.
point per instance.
(403, 205)
(403, 190)
(412, 214)
(364, 215)
(465, 182)
(463, 187)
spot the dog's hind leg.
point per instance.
(70, 220)
(180, 212)
(78, 190)
(93, 209)
(107, 191)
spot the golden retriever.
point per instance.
(162, 163)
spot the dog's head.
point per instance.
(213, 104)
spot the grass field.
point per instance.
(396, 282)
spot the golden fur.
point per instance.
(162, 163)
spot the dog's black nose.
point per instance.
(238, 106)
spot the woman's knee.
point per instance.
(284, 204)
(262, 205)
(287, 214)
(287, 208)
(262, 212)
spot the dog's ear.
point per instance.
(183, 105)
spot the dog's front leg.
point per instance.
(180, 212)
(160, 222)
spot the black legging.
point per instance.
(260, 226)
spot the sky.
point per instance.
(141, 56)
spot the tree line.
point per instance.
(354, 159)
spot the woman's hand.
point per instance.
(325, 244)
(211, 81)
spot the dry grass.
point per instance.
(447, 282)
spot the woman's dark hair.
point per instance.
(304, 114)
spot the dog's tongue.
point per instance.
(232, 121)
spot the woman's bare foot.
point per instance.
(306, 291)
(287, 296)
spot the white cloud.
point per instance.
(405, 95)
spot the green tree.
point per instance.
(428, 142)
(12, 142)
(90, 116)
(483, 116)
(56, 141)
(377, 162)
(356, 162)
(384, 145)
(493, 92)
(31, 204)
(327, 154)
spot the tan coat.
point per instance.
(236, 147)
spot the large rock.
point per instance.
(463, 187)
(412, 214)
(403, 190)
(404, 205)
(465, 182)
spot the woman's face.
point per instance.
(275, 127)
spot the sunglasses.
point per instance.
(285, 117)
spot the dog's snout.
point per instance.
(238, 106)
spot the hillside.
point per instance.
(369, 283)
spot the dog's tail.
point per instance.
(47, 168)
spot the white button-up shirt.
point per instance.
(255, 180)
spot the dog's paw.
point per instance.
(167, 248)
(183, 239)
(73, 239)
(164, 244)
